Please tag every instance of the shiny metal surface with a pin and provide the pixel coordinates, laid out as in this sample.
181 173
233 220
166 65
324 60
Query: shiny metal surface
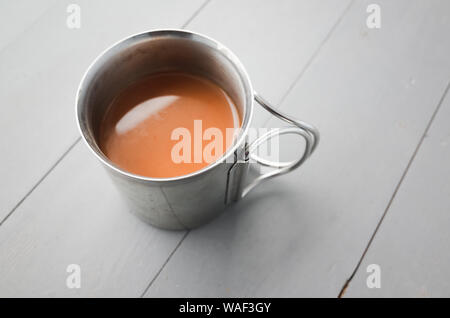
191 200
308 132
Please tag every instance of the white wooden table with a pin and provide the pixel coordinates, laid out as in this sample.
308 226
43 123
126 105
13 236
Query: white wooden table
377 191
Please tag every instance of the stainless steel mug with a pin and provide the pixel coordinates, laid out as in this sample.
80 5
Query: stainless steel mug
186 201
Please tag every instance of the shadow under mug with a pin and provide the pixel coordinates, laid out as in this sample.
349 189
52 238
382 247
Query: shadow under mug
191 200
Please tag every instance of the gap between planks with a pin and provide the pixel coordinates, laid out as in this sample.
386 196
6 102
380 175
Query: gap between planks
310 60
284 96
78 139
405 172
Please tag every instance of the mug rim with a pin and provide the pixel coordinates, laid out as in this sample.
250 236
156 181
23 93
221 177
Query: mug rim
225 51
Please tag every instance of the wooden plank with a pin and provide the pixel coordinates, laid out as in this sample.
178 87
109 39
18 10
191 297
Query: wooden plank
41 70
17 16
76 217
37 211
411 245
371 92
275 40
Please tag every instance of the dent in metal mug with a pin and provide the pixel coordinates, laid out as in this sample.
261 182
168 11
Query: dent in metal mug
191 200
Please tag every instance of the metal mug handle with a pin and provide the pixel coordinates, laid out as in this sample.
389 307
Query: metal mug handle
307 131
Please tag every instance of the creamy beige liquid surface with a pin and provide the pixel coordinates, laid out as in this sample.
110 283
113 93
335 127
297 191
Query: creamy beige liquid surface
136 133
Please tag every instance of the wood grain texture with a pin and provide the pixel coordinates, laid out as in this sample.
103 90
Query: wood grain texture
371 93
19 16
40 71
411 245
18 249
76 217
275 40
